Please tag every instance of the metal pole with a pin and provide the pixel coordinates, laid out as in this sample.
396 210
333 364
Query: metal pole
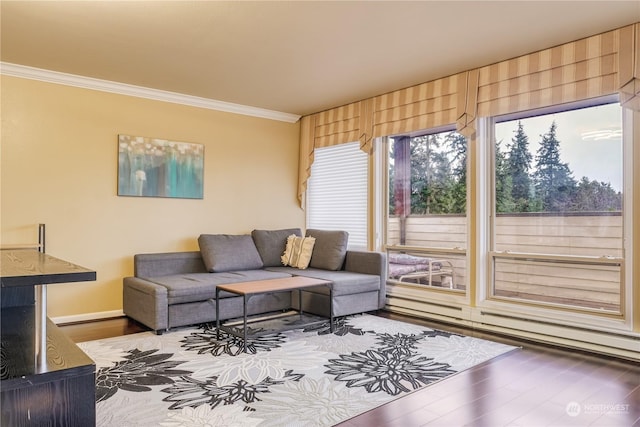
41 325
41 309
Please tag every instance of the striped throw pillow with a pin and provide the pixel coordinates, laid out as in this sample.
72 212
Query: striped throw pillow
298 251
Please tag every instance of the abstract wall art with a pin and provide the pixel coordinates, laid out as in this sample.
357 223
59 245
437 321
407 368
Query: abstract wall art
151 167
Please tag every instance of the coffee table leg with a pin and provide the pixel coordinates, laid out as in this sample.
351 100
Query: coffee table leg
331 327
300 303
217 314
244 321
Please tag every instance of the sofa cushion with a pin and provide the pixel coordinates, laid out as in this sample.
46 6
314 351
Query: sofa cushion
183 288
298 251
344 282
226 252
330 249
271 244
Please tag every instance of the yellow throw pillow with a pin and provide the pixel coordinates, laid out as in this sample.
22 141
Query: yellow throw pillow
298 251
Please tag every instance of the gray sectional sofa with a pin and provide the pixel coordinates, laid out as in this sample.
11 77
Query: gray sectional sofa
175 289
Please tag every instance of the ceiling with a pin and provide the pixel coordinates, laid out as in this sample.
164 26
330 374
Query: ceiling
295 57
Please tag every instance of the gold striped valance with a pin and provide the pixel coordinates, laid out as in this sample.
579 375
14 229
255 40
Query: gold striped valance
574 71
337 126
349 123
415 108
595 66
468 103
629 60
305 156
340 125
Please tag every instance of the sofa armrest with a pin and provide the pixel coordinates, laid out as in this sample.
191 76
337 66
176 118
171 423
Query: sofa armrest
369 262
145 302
366 262
164 264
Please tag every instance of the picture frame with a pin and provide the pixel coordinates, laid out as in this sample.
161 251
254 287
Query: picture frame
153 167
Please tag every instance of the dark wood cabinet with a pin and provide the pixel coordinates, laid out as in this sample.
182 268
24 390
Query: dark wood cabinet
43 382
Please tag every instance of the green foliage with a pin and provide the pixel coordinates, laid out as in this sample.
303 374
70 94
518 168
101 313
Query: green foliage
438 177
596 196
504 183
518 165
551 186
438 174
458 152
553 179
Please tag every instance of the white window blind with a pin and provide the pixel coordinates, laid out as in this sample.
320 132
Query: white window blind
337 192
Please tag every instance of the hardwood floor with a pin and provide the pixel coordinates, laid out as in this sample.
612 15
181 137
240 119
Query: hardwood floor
536 385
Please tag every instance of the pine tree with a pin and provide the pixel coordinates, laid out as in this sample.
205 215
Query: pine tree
504 201
518 167
458 144
392 177
594 196
423 167
554 182
438 174
440 194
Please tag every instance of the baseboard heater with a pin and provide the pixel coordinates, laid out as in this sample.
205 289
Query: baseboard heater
618 344
439 311
610 342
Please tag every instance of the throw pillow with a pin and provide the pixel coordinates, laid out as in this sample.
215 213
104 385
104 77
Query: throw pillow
298 251
330 249
272 243
225 252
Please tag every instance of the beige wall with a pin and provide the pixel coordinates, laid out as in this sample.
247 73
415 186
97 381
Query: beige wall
59 167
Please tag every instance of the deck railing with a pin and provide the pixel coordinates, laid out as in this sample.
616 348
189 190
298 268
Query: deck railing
592 282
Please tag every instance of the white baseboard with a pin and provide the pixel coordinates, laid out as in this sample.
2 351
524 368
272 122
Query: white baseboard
86 317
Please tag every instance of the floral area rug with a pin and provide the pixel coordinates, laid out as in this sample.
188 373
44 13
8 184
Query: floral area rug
301 377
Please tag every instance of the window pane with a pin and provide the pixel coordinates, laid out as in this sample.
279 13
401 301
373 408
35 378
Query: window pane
427 174
563 162
427 190
558 192
337 192
590 286
427 269
427 206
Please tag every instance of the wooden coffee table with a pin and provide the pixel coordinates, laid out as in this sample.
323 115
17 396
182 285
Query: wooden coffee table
271 286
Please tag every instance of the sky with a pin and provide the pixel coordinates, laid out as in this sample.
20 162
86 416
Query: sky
590 140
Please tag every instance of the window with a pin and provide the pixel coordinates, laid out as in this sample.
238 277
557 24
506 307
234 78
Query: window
426 225
338 191
558 203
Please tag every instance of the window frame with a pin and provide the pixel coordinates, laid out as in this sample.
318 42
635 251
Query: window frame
486 255
447 296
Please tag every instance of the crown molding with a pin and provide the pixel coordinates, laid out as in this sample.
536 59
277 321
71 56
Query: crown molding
15 70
